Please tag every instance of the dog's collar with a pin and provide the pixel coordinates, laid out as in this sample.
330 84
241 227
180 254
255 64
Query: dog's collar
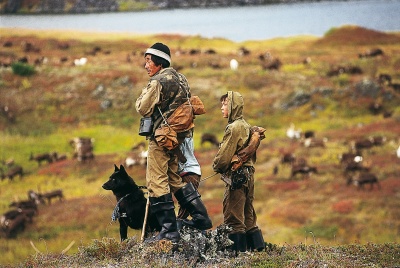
116 214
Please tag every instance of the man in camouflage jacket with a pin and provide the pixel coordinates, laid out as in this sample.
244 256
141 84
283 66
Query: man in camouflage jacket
165 92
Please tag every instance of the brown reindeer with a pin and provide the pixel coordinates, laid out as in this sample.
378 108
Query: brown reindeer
11 227
273 64
12 172
41 157
355 166
371 53
211 138
360 144
288 158
83 148
50 195
25 204
314 142
12 214
7 113
350 157
300 166
338 70
305 170
58 157
364 178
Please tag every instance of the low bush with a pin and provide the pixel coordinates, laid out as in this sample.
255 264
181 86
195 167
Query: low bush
22 69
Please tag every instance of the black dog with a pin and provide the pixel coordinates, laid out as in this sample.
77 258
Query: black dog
131 206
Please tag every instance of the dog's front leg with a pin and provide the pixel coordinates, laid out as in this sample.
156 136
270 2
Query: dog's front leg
123 230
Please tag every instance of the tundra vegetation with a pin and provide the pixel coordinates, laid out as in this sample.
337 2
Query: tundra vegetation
84 85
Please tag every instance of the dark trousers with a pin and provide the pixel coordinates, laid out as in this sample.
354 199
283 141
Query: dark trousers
238 210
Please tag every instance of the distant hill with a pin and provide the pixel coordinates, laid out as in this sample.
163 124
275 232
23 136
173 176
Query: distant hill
91 6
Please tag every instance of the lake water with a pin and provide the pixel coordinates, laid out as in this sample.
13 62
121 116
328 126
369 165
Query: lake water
234 23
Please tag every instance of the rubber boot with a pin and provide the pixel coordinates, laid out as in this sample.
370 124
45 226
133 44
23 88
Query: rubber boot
179 224
163 208
189 198
255 240
239 242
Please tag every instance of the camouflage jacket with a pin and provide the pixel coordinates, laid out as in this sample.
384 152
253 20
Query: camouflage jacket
166 91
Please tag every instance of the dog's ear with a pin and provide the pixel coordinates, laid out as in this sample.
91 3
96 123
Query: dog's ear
121 167
115 168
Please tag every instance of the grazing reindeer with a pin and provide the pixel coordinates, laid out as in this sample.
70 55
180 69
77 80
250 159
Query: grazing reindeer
208 137
364 178
305 170
137 156
288 158
25 204
371 53
360 144
58 157
12 172
83 148
12 214
309 134
39 198
11 227
301 167
355 166
41 157
50 195
314 142
350 157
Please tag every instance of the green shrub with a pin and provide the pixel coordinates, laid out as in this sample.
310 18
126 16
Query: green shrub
22 69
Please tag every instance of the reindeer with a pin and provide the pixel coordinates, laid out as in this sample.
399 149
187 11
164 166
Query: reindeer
350 157
305 170
273 64
12 172
39 198
371 53
314 142
288 158
208 137
58 157
363 178
25 204
360 144
300 166
355 166
11 227
50 195
83 148
41 157
12 214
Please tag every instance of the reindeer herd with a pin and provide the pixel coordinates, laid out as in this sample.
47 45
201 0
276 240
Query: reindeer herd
352 164
22 212
83 151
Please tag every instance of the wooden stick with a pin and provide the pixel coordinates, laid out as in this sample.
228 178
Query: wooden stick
35 248
145 218
67 248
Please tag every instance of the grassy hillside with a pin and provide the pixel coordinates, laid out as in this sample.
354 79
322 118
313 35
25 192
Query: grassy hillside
60 101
